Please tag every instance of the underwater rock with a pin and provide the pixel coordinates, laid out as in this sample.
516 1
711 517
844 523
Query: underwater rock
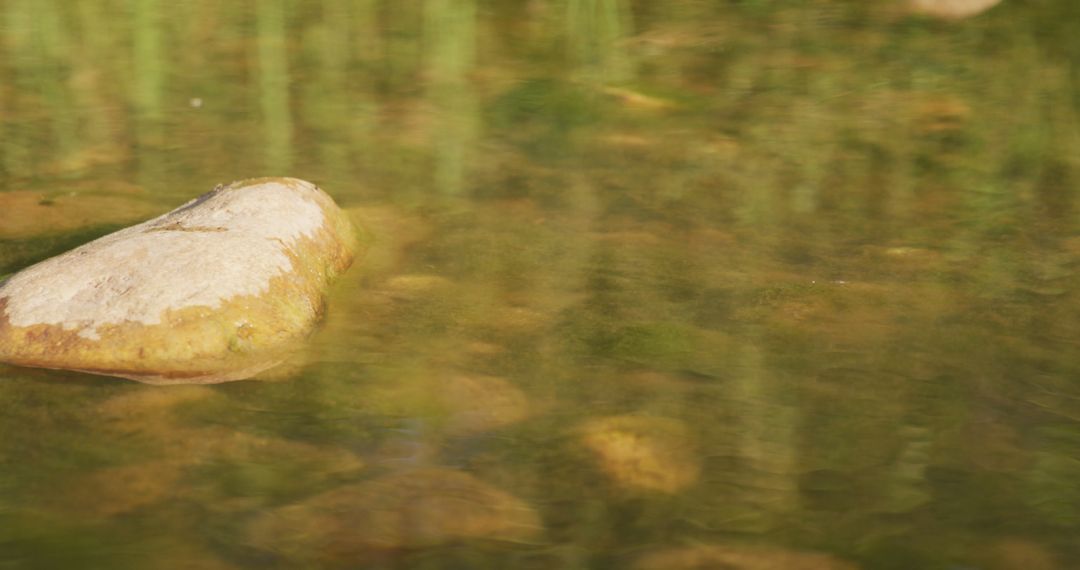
119 490
176 553
136 407
518 321
415 286
649 453
739 558
395 231
952 9
1016 553
216 290
239 472
412 509
482 403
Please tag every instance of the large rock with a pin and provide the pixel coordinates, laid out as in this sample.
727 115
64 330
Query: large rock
218 289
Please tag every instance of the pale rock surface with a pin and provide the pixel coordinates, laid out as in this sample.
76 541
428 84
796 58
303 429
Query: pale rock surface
218 289
952 9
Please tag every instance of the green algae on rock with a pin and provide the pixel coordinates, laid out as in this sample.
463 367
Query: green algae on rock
218 289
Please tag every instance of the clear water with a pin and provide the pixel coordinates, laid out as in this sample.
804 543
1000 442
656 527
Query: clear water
732 284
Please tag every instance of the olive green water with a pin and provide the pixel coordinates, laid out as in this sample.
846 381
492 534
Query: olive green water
734 284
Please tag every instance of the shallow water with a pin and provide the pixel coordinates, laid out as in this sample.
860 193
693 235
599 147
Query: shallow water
650 285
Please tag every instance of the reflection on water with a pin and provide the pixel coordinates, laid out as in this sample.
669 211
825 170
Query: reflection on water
653 285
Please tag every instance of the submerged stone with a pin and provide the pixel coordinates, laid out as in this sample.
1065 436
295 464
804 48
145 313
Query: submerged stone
216 290
119 490
482 403
413 509
641 452
705 556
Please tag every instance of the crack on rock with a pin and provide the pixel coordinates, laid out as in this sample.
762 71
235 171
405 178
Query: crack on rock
179 227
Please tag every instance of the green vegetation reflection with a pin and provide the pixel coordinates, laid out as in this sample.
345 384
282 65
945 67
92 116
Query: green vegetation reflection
742 284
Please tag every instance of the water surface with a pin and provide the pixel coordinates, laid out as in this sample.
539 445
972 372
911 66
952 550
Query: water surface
684 284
